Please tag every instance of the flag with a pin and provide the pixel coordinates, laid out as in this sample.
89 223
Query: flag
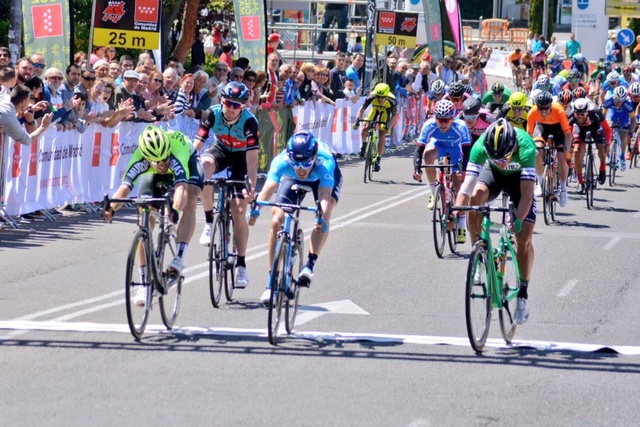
387 21
146 11
251 30
47 20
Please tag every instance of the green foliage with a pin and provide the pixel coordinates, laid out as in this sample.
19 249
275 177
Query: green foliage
210 63
82 19
535 17
4 32
473 9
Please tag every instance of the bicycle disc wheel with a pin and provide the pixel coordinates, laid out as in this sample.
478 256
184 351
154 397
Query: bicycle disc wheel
510 286
170 302
590 181
439 225
230 270
137 316
478 303
217 263
277 285
546 196
291 307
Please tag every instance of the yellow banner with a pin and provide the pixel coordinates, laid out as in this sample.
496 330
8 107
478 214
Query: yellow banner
126 38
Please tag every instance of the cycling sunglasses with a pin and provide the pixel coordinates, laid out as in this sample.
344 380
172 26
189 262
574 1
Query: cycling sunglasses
444 120
470 116
301 165
231 104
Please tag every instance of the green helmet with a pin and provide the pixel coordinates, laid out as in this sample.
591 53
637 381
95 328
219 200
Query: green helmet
382 89
154 144
518 99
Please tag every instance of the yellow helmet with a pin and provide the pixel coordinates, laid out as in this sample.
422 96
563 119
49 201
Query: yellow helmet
381 89
518 99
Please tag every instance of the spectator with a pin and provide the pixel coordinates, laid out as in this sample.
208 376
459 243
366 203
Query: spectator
243 63
636 50
24 70
572 47
357 45
445 70
273 43
197 50
400 77
7 80
143 66
185 97
114 70
96 54
108 94
249 80
199 90
321 80
389 74
110 54
38 64
236 75
214 86
53 95
79 59
36 86
553 48
87 80
337 75
287 86
72 79
306 88
5 57
353 71
101 67
80 123
349 90
171 82
217 39
14 107
269 94
614 50
226 55
155 99
338 12
530 41
259 88
331 44
126 91
126 63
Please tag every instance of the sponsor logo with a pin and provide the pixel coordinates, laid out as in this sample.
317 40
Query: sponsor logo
582 4
47 20
409 24
387 21
113 12
95 158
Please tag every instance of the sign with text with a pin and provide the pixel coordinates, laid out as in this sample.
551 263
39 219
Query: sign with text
629 8
127 23
46 31
252 34
396 28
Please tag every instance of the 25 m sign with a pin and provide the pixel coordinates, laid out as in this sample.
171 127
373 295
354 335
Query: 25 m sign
396 28
127 23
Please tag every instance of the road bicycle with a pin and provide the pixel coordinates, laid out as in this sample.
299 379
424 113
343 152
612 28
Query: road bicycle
492 278
370 145
287 263
147 263
590 176
222 250
614 155
550 181
634 147
444 198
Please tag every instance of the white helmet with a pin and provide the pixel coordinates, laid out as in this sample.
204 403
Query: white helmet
634 89
620 93
613 77
438 87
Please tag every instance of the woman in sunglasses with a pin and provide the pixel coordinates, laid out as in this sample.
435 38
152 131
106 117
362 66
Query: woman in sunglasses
310 162
440 136
236 145
504 159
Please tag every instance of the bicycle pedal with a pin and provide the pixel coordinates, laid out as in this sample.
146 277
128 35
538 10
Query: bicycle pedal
290 293
303 282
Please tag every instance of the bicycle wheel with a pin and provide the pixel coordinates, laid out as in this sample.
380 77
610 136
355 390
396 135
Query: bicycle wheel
367 159
478 303
613 162
510 286
296 262
546 196
590 180
170 301
138 277
439 225
277 285
555 189
452 238
230 271
217 261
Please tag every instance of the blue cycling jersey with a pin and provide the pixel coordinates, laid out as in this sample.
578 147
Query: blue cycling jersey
458 133
432 96
618 114
606 87
323 170
240 136
552 88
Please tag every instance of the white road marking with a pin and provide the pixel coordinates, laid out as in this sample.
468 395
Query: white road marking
307 313
549 346
566 289
611 243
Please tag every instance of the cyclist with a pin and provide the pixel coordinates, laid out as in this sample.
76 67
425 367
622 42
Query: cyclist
236 146
305 161
548 118
610 84
438 90
579 92
573 81
623 117
589 118
545 84
440 136
555 64
628 75
516 111
634 95
164 160
515 58
540 62
580 63
527 70
383 107
496 97
511 156
565 98
478 120
457 94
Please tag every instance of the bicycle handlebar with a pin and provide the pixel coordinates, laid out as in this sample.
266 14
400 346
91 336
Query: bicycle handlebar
139 200
228 182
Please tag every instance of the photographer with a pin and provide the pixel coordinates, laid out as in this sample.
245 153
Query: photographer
16 106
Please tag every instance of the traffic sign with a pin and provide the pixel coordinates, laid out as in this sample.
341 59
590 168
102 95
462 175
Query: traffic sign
626 37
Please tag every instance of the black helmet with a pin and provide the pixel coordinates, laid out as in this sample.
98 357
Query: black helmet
471 106
500 139
302 147
544 99
456 90
236 91
565 96
497 88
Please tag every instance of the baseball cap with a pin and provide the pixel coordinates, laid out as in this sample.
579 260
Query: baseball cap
426 57
131 74
273 37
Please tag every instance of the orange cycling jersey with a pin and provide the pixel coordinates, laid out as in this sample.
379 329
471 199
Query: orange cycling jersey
556 116
513 57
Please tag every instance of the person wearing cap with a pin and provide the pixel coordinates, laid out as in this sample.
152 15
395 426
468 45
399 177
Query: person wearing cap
274 41
128 90
338 12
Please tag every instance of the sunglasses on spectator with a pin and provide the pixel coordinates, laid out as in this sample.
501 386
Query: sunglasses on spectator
55 77
89 79
230 104
237 76
157 80
41 66
251 80
4 55
470 116
302 165
444 120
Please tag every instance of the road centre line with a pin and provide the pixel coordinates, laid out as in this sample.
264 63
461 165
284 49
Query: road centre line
404 197
566 289
611 243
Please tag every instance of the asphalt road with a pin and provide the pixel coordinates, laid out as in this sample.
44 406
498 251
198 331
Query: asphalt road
381 342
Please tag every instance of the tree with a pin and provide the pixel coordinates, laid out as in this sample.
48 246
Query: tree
535 17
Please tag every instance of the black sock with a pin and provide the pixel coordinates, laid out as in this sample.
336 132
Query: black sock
311 260
240 262
208 217
522 292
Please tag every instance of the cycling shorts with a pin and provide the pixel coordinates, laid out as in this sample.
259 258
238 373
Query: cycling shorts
510 184
382 115
554 130
580 135
454 152
235 161
156 184
286 195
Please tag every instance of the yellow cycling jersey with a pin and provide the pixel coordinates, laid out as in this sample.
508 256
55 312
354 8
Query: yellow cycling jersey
519 121
388 104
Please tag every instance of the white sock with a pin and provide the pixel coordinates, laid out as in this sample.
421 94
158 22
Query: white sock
563 185
433 185
539 179
463 222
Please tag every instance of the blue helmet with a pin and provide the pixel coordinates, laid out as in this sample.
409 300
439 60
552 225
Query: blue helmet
302 147
236 92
